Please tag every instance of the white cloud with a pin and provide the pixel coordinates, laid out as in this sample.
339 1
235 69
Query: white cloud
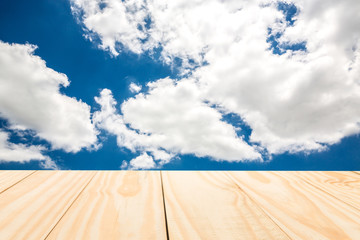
301 100
10 152
298 101
118 22
142 161
49 164
178 120
171 119
30 99
124 165
134 88
162 156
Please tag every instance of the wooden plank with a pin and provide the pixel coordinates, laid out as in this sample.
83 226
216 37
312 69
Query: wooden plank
116 205
209 205
342 185
10 178
301 210
199 205
31 208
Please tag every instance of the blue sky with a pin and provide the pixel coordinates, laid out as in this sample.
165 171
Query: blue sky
94 60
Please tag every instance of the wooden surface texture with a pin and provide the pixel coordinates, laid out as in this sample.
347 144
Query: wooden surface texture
179 205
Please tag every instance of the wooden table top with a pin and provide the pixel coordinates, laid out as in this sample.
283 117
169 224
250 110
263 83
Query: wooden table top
179 205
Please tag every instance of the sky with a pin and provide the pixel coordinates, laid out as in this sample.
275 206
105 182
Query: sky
180 85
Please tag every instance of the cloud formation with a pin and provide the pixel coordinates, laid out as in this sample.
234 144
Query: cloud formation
134 88
143 161
10 152
292 77
173 118
30 98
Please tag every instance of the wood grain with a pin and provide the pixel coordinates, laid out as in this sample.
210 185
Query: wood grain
179 205
344 186
301 210
116 205
31 208
10 178
208 205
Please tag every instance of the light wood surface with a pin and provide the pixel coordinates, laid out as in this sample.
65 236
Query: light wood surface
31 208
301 210
116 205
179 205
208 205
344 186
10 178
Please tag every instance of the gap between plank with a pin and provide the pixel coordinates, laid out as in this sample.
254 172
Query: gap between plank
18 181
163 196
82 190
265 212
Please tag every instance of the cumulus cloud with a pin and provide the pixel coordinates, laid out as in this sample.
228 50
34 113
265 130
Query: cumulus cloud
114 22
124 165
169 120
30 98
143 161
10 152
177 118
301 100
134 88
295 81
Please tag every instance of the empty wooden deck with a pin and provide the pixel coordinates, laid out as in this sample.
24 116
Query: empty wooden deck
179 205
